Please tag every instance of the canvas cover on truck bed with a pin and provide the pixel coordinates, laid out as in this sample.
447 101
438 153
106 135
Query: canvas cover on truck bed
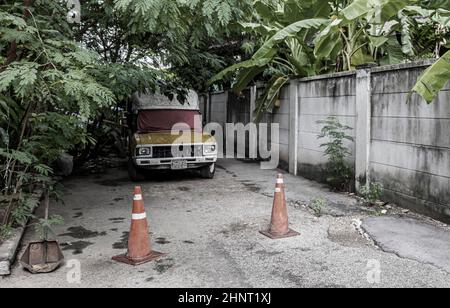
152 101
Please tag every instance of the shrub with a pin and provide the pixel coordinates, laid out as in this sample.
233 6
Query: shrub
371 193
339 174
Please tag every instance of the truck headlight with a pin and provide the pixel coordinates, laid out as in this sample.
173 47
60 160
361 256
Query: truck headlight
144 151
209 149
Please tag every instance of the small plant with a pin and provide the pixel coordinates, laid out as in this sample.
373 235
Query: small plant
44 227
5 231
317 206
371 193
339 174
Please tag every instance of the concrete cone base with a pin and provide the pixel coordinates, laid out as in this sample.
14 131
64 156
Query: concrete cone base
154 255
291 233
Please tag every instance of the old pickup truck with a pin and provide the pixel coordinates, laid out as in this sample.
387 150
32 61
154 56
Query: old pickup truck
155 145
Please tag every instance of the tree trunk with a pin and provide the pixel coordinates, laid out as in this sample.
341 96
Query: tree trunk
12 52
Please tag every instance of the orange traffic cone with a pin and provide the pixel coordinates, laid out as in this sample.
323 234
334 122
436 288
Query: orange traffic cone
279 225
139 250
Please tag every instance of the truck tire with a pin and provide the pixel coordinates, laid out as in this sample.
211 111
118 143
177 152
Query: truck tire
134 173
208 172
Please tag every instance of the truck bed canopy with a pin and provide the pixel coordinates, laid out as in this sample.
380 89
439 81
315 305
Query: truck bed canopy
164 119
154 101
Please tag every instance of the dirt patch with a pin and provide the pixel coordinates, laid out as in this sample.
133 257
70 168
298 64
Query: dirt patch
82 233
342 232
123 242
235 228
251 186
184 189
118 199
76 247
164 265
149 279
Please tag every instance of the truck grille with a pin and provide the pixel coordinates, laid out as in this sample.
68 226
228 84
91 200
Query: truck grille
179 151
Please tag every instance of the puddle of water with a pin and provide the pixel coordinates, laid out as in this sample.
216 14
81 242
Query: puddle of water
123 242
82 233
113 182
251 186
162 241
164 265
117 220
76 247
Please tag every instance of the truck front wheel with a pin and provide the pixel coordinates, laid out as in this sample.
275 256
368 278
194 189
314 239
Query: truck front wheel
208 172
134 173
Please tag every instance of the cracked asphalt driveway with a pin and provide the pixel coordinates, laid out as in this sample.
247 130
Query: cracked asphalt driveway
209 229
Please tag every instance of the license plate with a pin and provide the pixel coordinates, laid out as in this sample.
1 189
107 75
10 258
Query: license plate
179 165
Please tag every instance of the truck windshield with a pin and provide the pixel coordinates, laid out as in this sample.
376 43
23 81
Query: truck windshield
164 120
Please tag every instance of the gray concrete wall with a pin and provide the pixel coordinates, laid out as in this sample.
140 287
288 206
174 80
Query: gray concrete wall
218 108
410 142
281 116
320 98
405 147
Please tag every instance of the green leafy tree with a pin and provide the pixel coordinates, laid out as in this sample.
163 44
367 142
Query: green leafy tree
297 40
194 39
47 92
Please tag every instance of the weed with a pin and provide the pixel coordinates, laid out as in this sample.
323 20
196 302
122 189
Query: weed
339 174
317 205
371 193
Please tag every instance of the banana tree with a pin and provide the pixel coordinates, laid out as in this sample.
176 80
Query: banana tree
287 31
434 79
334 36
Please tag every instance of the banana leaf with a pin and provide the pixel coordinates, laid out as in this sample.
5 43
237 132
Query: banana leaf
434 79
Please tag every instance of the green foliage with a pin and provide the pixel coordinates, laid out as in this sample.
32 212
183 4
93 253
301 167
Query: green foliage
54 134
434 79
44 227
317 205
193 38
47 93
371 193
5 231
304 38
340 175
24 209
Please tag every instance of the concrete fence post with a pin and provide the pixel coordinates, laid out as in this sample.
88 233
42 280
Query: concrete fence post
293 126
253 97
363 125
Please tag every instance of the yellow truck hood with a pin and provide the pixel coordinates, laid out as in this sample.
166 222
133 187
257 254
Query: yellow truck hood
167 138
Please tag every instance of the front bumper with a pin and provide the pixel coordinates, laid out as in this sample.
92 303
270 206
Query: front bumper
166 163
